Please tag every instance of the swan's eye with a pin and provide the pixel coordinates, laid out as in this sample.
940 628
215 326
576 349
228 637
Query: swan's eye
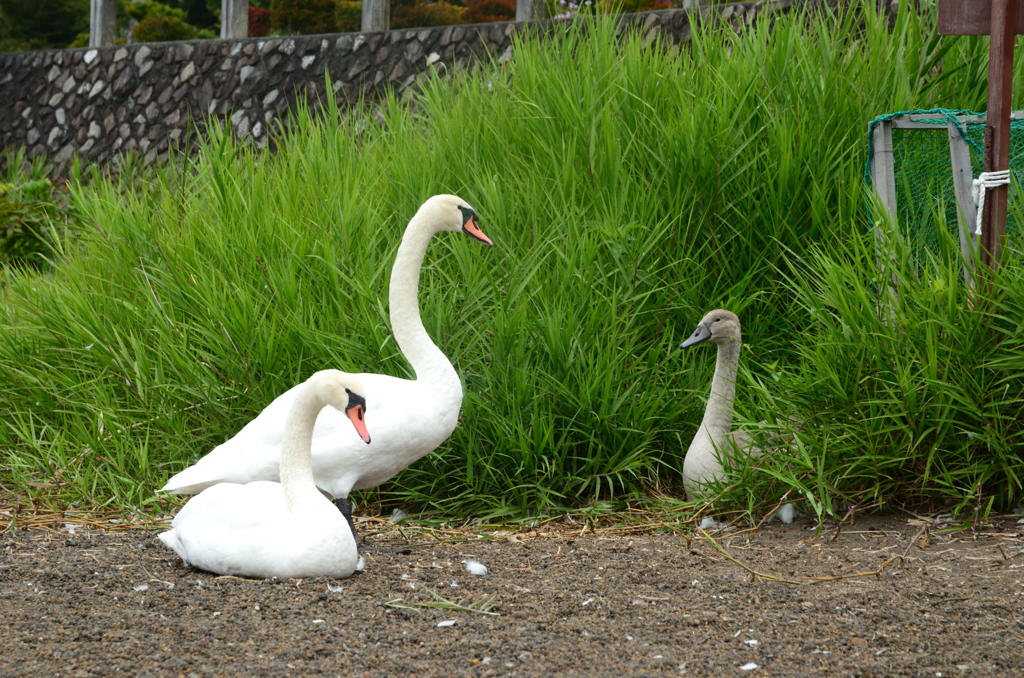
717 319
356 402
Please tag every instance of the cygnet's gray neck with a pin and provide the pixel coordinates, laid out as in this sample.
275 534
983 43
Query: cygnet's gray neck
718 414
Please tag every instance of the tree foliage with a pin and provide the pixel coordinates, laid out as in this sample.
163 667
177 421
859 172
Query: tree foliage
147 8
259 21
302 17
155 28
416 13
43 23
482 11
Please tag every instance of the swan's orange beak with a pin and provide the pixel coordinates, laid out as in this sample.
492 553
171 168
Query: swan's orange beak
355 415
472 229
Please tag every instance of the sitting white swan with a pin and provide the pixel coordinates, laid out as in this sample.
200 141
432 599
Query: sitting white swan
410 417
286 529
714 439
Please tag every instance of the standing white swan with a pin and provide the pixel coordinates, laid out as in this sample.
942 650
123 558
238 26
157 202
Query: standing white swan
714 439
410 417
286 529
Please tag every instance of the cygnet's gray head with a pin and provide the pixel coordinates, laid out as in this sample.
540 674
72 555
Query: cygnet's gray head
718 326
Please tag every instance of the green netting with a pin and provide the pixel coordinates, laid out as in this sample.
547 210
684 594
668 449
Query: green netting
924 177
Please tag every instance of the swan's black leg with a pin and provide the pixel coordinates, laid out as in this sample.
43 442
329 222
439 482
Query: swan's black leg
381 549
345 506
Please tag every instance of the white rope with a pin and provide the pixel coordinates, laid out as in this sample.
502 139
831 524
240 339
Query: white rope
979 187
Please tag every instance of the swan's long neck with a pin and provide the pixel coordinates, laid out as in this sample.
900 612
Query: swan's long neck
427 360
296 450
718 414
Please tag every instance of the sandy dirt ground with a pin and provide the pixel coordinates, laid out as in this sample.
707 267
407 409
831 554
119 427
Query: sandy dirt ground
897 601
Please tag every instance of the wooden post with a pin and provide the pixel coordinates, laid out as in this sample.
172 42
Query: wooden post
1001 20
997 127
884 182
882 179
966 214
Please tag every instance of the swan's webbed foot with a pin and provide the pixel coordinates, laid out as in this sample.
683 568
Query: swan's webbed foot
345 506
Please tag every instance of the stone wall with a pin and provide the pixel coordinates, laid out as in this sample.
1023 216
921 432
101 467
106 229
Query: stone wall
146 98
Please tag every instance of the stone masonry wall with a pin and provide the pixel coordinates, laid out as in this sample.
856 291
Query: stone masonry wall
146 98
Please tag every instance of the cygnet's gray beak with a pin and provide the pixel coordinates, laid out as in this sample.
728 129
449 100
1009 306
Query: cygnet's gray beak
702 333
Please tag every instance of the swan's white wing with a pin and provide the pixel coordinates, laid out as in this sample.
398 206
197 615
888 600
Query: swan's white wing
248 530
405 419
247 457
220 521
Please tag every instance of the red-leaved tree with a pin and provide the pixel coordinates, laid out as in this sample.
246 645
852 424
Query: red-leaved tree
483 11
259 21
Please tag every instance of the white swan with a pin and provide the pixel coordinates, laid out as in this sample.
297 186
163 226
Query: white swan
410 417
714 439
286 529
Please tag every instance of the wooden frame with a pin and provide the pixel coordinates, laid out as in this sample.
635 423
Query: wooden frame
883 179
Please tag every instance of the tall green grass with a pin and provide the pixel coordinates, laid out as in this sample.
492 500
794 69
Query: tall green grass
627 189
919 394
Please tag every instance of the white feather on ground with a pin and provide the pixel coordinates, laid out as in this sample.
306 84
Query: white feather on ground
475 568
787 513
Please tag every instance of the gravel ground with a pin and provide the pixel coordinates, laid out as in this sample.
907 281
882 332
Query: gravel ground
93 604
